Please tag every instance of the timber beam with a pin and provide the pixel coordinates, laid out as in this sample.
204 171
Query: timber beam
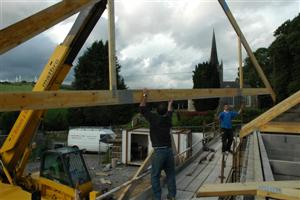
247 47
13 101
24 30
275 189
266 117
281 127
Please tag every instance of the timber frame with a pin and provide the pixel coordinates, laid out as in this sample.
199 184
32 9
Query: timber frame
13 101
22 31
263 122
34 104
288 190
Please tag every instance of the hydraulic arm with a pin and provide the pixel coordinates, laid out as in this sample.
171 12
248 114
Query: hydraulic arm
17 147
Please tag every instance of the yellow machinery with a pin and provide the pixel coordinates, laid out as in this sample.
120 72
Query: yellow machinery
63 173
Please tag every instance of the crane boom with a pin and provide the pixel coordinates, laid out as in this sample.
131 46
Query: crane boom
13 151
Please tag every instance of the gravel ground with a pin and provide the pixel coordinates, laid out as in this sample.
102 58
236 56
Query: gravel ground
116 176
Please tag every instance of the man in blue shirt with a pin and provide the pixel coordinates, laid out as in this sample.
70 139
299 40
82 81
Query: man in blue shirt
225 118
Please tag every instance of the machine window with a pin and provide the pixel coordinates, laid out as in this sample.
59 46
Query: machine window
76 168
53 169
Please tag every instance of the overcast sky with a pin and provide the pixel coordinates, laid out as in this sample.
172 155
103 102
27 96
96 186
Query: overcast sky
158 42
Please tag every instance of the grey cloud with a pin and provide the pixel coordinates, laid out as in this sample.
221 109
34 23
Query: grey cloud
189 25
26 60
13 11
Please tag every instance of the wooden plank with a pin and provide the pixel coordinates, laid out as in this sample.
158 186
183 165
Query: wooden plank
198 181
184 183
214 176
196 169
111 45
258 173
13 101
184 195
203 157
139 171
247 188
192 167
241 75
281 127
266 117
247 47
227 168
254 171
279 193
249 163
268 174
25 29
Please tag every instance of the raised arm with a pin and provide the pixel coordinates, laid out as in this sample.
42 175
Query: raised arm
170 107
144 98
241 109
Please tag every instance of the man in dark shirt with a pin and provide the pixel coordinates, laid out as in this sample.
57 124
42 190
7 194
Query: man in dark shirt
163 158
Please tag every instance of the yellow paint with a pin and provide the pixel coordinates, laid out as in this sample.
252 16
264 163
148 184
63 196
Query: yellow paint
50 189
28 120
11 192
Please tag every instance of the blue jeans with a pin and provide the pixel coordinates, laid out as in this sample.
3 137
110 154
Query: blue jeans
163 159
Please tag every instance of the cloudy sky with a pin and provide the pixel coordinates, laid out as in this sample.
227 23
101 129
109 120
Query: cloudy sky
158 42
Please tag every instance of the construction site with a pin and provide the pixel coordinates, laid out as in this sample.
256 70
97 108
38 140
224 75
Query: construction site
264 163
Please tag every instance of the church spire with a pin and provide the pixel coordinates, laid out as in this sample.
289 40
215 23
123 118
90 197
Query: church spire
214 54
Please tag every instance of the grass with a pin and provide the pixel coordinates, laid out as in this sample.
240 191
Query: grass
23 87
15 87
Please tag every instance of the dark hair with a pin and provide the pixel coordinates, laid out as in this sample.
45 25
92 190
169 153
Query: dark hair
162 108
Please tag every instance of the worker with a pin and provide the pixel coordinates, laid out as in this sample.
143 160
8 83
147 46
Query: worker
225 118
163 158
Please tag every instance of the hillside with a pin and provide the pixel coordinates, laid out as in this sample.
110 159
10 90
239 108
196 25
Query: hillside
23 86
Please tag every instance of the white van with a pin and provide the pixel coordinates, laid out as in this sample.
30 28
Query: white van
89 138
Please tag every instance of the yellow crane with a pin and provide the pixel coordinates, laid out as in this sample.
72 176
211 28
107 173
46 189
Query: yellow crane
63 173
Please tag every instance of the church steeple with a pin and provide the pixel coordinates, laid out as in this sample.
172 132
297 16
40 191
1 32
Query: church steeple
214 54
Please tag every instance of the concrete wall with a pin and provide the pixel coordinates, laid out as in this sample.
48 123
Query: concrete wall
283 152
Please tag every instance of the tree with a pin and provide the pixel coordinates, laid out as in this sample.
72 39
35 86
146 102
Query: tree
206 75
56 120
285 52
92 73
251 77
7 121
280 62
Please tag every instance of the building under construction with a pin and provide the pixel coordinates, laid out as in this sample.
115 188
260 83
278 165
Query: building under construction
264 163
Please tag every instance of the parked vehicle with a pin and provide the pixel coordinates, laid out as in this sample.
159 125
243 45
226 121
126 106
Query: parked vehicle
90 139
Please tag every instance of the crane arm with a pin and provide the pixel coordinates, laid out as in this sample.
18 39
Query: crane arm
19 139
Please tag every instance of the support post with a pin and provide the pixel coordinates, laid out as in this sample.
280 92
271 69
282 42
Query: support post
145 164
247 47
240 63
111 45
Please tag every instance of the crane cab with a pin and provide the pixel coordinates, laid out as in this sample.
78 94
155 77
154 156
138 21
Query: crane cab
62 171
